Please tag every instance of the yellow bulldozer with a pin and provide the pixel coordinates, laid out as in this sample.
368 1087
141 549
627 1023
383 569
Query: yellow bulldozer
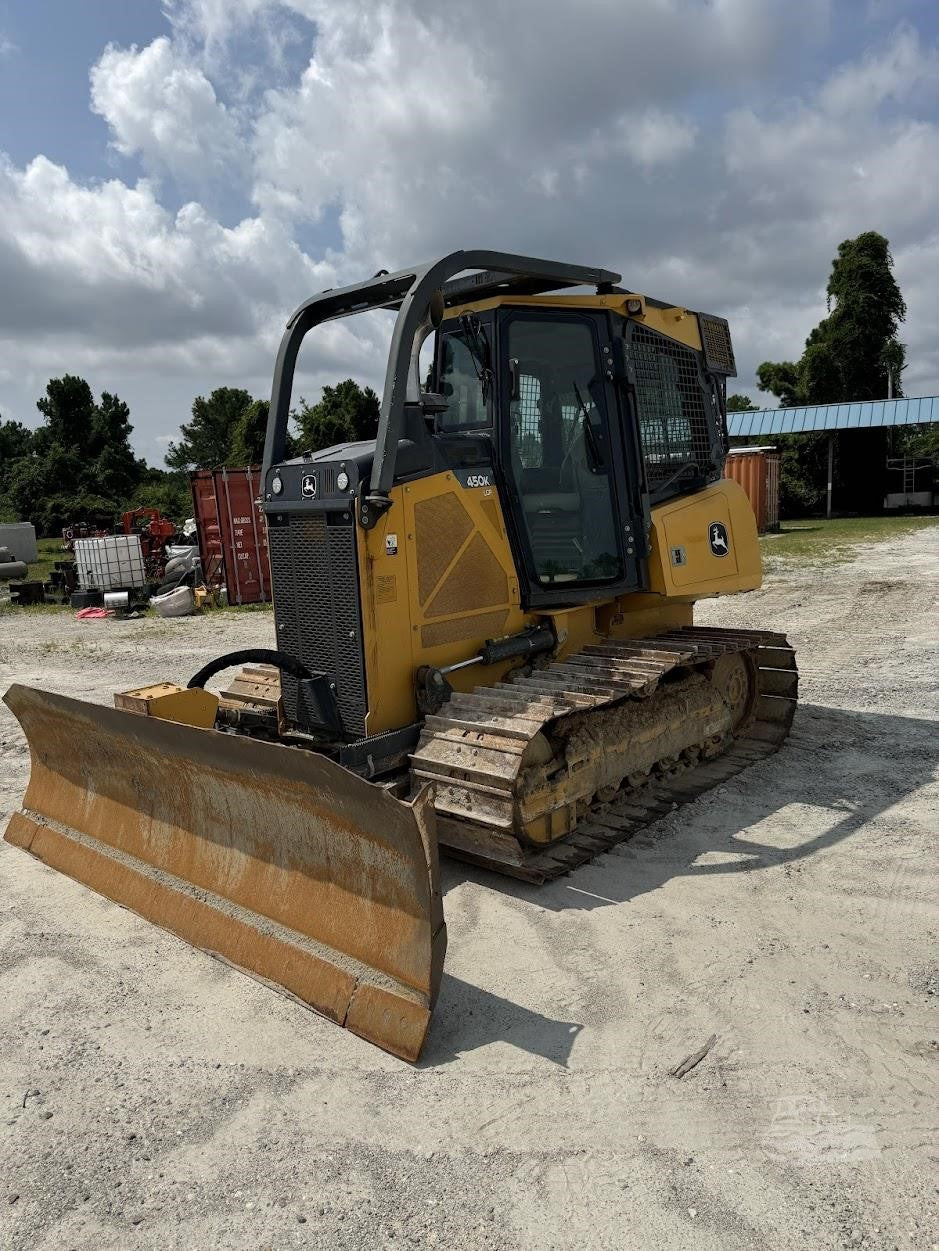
484 641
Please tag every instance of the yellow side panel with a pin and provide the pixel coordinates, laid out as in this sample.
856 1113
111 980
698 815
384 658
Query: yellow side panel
633 616
689 535
438 579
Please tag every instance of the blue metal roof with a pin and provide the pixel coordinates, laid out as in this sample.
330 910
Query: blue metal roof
863 415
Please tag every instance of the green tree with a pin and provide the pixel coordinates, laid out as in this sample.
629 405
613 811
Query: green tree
849 354
247 438
15 444
784 380
167 490
206 440
55 488
115 470
852 354
345 413
79 462
737 403
803 473
15 441
68 407
916 441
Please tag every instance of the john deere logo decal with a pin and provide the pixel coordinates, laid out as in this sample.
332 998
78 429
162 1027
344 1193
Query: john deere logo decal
308 485
717 538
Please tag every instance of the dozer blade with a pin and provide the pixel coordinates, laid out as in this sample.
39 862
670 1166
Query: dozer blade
275 858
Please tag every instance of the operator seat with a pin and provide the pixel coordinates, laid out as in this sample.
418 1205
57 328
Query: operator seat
552 509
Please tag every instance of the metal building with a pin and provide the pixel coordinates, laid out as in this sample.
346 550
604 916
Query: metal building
834 419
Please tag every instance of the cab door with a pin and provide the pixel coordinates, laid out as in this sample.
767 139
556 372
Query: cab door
574 492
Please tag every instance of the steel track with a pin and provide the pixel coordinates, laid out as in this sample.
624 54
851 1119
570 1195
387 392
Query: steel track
471 750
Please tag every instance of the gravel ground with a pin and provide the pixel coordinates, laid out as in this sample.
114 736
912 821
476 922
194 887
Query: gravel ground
155 1098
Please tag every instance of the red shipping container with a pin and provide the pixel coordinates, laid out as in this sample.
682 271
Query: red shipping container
233 532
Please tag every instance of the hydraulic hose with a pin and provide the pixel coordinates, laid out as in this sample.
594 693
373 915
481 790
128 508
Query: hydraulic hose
250 655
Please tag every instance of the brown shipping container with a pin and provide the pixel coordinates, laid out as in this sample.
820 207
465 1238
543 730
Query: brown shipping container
233 532
757 471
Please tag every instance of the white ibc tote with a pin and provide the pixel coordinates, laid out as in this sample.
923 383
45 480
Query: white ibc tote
110 563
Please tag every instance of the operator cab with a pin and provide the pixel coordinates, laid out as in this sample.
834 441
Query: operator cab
581 411
553 443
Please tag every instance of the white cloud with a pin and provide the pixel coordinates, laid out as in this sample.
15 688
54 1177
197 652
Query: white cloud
110 260
598 132
818 170
104 281
892 73
656 138
162 108
209 24
438 125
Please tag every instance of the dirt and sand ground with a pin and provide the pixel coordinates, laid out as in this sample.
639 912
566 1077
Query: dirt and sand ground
153 1097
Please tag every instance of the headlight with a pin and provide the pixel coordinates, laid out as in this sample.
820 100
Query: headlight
277 484
342 480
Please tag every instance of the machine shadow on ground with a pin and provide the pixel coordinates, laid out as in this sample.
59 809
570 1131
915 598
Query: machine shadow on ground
900 754
811 768
467 1017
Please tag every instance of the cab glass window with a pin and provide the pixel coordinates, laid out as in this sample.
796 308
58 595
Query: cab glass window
559 450
459 382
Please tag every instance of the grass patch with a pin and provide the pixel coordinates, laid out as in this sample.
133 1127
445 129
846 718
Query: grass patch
39 570
50 550
821 542
8 610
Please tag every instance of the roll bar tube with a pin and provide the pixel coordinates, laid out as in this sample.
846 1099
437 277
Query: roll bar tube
409 291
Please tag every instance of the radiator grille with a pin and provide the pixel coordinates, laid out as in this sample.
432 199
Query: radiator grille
317 610
676 414
718 348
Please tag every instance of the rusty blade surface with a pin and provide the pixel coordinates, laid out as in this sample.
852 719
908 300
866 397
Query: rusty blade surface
276 858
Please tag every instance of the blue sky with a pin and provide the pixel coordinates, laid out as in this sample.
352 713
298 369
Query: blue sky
44 80
175 178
